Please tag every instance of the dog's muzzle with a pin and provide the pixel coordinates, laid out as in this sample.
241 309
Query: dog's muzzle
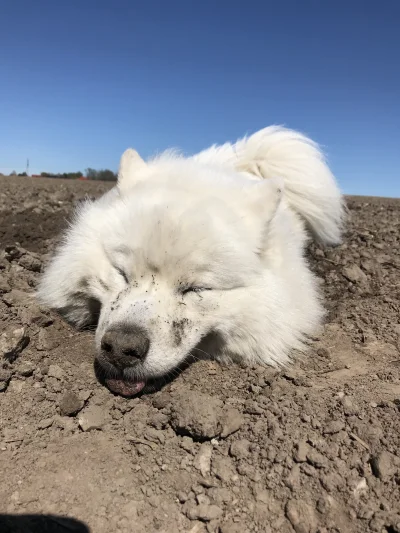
124 348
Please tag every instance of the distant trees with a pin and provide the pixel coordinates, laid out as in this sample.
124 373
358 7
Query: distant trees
90 173
64 175
70 175
104 174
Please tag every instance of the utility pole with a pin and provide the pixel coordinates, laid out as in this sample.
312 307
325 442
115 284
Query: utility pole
27 167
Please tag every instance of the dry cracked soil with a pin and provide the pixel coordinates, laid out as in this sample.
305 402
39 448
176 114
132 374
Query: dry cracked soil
312 448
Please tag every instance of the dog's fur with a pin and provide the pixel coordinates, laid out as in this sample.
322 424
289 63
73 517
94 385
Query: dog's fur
202 251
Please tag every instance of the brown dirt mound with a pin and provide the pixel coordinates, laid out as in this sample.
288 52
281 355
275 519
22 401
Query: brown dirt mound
314 448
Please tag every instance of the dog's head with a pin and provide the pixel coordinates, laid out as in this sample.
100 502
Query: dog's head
162 262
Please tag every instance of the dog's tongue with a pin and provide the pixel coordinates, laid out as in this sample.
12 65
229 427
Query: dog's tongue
125 388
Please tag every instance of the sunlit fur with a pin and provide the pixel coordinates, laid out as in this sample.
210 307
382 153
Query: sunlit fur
231 222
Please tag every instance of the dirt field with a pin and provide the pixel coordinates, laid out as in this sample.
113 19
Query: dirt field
315 448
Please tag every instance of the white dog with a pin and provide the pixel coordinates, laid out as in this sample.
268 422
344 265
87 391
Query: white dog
199 254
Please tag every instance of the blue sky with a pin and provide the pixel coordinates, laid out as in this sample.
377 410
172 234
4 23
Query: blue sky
82 80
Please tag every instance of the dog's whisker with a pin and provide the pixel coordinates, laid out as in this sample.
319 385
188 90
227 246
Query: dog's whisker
202 351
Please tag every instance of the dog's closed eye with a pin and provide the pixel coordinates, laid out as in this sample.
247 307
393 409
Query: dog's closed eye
186 290
122 273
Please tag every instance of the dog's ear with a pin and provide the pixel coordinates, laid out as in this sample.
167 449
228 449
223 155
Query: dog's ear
259 204
262 199
130 165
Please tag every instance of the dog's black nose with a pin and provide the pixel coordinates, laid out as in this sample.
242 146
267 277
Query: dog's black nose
125 346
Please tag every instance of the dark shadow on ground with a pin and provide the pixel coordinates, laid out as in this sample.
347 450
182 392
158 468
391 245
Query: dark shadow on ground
41 524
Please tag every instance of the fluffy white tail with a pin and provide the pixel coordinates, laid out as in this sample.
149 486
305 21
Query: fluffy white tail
310 187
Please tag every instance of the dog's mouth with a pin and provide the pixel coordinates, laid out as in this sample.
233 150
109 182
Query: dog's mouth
118 381
128 387
125 382
125 387
128 384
